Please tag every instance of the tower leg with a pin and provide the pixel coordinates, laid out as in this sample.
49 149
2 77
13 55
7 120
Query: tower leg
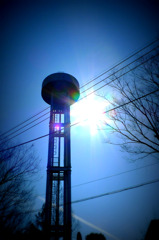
58 188
67 207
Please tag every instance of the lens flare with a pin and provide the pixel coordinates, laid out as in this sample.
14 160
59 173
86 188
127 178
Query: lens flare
57 127
90 112
74 95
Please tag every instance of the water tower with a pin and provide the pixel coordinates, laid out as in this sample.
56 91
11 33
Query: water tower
59 90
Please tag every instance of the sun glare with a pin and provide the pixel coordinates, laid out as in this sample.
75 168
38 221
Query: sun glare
90 111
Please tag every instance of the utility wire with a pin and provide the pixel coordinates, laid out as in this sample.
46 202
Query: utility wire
24 121
114 175
21 144
116 191
110 193
102 87
122 105
118 77
87 84
112 74
26 126
90 92
135 99
135 53
111 176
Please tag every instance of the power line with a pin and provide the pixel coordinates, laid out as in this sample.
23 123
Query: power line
21 144
122 105
24 121
87 84
27 125
84 120
131 101
111 193
112 74
116 191
118 77
100 88
90 92
28 128
114 175
132 55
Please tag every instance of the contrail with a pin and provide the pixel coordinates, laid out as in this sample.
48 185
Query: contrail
87 223
94 226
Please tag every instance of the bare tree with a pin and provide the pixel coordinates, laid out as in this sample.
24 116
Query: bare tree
136 123
18 167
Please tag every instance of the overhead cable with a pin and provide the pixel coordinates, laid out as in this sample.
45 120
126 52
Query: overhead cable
35 139
112 74
118 64
87 84
24 121
114 175
86 95
26 126
116 191
118 77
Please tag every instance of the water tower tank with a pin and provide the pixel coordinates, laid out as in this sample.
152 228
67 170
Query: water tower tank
60 88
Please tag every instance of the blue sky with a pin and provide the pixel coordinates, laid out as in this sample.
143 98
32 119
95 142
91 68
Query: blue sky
83 38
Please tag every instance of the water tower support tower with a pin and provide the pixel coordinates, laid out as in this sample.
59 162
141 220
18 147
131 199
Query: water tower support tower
60 90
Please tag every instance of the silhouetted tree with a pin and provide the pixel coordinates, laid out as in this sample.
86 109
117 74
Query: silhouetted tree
79 237
153 230
18 167
32 233
95 236
137 123
40 222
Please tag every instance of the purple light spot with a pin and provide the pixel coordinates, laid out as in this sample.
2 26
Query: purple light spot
57 127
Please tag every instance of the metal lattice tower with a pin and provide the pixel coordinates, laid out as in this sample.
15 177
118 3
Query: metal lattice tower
60 90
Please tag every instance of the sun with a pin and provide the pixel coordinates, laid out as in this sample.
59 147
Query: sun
90 112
